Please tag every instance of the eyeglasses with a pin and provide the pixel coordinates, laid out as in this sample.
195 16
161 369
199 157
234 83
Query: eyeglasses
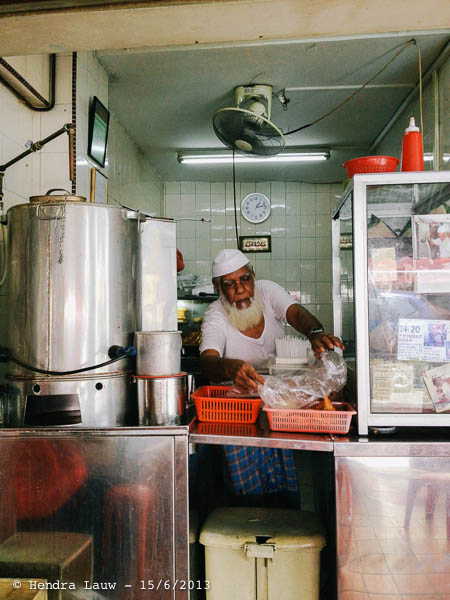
228 284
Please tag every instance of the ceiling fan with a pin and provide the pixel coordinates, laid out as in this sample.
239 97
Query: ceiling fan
246 127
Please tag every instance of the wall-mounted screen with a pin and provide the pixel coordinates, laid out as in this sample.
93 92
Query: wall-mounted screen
98 131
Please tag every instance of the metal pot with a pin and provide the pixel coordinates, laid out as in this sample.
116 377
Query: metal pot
158 352
162 400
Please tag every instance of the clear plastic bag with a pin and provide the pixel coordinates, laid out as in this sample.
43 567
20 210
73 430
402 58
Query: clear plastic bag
325 376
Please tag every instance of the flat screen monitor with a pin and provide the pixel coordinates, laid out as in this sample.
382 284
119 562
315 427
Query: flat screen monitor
98 131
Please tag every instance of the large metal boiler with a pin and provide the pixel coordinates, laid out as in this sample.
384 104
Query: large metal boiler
75 270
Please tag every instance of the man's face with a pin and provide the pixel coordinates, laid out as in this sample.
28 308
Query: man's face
238 287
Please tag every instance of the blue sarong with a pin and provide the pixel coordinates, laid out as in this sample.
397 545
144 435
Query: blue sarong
260 470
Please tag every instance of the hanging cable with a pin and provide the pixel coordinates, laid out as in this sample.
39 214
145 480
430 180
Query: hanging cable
127 353
234 202
338 106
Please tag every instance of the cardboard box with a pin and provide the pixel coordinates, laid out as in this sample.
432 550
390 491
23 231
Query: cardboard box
57 556
13 592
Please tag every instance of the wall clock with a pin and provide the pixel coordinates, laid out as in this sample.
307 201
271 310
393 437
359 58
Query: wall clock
255 207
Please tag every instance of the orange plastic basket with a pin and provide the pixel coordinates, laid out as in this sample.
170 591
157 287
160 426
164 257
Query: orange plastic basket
312 421
213 406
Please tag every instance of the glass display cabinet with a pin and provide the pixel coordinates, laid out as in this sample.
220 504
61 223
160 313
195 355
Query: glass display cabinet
391 296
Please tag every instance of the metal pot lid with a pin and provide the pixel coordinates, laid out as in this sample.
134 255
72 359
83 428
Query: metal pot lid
49 197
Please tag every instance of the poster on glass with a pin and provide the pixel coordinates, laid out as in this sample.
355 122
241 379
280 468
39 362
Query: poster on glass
431 252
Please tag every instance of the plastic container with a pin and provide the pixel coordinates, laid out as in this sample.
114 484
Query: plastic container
371 164
261 553
412 148
311 421
195 559
212 405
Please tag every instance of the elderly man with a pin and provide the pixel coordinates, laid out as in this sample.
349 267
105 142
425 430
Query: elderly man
442 241
238 336
239 330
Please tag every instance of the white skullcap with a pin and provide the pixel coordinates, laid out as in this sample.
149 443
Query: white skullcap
443 229
227 261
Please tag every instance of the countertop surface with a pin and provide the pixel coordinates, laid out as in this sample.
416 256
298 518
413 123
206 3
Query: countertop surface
257 434
404 442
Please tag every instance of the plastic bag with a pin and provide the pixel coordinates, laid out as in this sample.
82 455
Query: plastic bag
325 376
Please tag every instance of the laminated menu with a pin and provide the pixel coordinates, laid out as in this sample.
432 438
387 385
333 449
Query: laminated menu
423 339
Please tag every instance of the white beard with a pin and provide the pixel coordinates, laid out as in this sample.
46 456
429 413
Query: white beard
244 318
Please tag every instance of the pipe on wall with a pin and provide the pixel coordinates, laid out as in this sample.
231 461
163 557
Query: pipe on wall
21 88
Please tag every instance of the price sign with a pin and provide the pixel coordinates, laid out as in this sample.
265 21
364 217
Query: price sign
426 340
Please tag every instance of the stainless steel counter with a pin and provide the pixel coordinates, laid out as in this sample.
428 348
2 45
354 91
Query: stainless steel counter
393 515
91 507
257 434
392 518
410 442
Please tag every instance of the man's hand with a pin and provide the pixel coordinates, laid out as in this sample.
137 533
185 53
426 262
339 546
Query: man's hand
321 342
241 372
246 377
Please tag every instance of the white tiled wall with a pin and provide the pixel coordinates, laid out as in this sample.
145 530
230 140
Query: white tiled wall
131 178
300 226
46 169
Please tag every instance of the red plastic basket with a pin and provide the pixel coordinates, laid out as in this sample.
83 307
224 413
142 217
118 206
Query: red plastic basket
213 406
371 164
312 421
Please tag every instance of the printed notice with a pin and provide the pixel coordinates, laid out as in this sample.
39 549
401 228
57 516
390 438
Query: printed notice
423 340
384 266
390 377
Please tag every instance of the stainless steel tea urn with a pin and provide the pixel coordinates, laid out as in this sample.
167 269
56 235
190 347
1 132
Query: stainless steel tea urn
71 296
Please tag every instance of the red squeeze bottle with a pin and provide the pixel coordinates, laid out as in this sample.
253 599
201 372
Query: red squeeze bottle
412 148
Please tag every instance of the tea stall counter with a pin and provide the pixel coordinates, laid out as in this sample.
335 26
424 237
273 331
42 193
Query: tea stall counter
257 434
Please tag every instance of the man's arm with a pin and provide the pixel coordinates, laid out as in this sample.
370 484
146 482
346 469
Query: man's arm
218 369
303 321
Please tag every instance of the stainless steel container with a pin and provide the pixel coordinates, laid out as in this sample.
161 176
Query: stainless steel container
90 401
162 400
71 284
158 352
71 296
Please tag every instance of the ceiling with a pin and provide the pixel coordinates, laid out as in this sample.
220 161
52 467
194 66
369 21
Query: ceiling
165 98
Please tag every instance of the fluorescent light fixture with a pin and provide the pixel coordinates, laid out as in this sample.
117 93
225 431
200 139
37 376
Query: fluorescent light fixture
205 157
429 157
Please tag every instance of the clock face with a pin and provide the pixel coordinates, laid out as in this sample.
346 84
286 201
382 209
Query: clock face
255 207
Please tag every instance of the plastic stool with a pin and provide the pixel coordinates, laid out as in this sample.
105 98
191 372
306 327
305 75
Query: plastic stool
127 511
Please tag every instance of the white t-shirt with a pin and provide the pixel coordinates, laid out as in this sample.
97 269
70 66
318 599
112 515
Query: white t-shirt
219 334
444 247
